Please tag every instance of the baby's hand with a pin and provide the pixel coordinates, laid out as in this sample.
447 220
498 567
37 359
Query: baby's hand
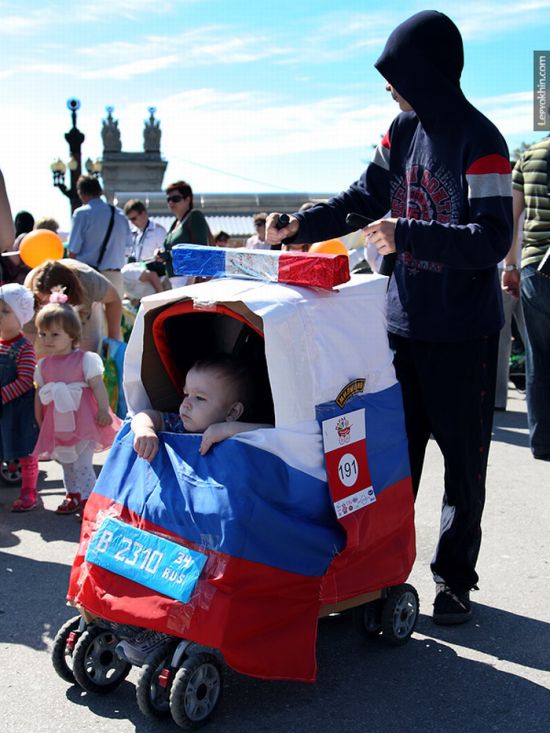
146 444
103 418
215 433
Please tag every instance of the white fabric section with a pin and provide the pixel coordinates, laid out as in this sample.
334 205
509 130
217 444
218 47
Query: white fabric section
92 365
316 341
256 264
484 185
382 157
66 400
300 446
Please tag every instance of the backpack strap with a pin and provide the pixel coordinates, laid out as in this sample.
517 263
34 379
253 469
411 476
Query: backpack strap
106 237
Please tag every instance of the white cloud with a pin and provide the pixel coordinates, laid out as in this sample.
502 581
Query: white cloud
512 113
32 20
207 45
242 126
478 21
133 68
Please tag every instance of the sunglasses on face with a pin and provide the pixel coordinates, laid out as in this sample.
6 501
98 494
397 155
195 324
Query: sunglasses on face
174 199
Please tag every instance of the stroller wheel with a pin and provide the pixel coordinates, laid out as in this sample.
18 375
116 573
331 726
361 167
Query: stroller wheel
367 618
63 648
154 685
196 691
399 614
10 472
96 666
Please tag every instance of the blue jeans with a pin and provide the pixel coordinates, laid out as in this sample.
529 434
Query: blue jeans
535 299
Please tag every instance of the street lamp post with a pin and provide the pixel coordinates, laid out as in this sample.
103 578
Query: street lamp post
75 139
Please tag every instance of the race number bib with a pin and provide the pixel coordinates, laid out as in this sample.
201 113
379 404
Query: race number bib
345 445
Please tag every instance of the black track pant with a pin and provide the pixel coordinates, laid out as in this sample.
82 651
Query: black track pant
449 392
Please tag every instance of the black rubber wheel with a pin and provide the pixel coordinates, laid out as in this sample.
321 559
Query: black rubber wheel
196 691
96 666
63 648
10 472
367 618
152 693
399 614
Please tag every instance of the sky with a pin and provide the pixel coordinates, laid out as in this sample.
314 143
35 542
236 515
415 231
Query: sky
252 96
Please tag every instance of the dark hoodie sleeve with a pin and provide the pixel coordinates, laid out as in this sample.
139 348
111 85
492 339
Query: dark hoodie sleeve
481 242
368 196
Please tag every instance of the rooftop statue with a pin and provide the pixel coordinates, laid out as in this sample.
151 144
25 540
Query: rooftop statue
151 133
111 134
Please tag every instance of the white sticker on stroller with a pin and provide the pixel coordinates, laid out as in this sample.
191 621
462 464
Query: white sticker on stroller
145 558
344 430
345 444
354 502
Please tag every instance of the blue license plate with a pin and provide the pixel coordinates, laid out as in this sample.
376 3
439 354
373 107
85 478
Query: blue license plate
145 558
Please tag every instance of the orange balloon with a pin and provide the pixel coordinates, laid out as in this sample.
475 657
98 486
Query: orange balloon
40 245
329 247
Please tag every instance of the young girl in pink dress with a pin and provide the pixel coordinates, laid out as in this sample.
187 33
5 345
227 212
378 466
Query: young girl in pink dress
71 404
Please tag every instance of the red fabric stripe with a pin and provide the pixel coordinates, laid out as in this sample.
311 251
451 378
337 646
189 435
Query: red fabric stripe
263 620
319 270
385 142
490 164
382 557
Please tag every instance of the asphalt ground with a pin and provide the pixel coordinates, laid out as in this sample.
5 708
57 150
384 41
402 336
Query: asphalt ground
492 674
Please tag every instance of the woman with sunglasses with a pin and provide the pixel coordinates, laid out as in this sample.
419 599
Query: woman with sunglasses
189 227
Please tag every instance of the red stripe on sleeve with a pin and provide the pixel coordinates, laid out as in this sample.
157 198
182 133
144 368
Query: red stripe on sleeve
386 141
490 164
26 363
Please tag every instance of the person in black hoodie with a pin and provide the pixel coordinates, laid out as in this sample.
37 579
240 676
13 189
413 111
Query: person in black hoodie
443 175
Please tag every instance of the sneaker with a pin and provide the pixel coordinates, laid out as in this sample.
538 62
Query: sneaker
141 647
451 608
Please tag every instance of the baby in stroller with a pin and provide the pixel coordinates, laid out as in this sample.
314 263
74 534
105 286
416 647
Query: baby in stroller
218 395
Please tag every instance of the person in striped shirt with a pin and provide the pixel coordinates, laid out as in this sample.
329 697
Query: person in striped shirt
18 428
531 194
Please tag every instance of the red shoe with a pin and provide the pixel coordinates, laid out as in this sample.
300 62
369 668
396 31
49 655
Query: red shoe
26 502
70 504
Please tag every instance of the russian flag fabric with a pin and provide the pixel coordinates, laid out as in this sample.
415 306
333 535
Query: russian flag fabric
298 268
368 475
265 533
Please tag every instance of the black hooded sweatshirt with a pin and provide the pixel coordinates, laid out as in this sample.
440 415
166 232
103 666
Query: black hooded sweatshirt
443 171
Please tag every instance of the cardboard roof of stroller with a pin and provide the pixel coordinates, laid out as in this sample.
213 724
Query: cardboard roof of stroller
316 341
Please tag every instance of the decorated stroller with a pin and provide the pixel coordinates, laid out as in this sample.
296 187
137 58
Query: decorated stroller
236 554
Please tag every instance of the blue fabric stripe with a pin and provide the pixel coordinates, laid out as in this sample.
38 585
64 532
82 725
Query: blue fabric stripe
198 260
237 499
387 447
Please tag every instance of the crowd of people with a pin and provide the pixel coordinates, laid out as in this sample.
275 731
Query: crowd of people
444 300
53 318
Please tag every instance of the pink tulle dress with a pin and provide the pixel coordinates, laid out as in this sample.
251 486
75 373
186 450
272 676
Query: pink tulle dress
69 407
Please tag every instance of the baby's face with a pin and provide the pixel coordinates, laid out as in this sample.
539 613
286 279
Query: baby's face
207 399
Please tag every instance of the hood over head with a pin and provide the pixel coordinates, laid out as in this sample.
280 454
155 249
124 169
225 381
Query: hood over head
423 60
